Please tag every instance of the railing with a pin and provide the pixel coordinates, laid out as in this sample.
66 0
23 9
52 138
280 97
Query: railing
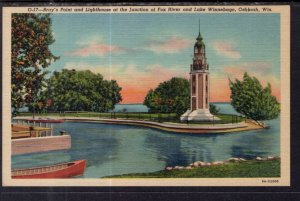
147 116
24 128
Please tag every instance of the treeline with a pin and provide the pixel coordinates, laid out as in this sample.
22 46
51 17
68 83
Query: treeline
248 97
71 90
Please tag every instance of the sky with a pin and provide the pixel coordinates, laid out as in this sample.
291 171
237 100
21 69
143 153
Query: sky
140 51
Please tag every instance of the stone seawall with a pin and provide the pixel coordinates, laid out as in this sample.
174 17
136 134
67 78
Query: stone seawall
169 126
174 127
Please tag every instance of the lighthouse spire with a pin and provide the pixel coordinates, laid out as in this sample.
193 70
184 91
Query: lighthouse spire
199 38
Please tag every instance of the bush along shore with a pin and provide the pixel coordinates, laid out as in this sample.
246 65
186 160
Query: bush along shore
231 168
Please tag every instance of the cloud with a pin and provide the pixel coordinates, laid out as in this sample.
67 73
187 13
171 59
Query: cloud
257 67
90 40
94 46
226 49
108 72
135 81
96 49
170 45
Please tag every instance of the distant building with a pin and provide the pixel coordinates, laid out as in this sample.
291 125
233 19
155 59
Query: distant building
200 86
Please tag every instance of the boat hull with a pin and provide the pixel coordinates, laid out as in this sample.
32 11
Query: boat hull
40 144
72 169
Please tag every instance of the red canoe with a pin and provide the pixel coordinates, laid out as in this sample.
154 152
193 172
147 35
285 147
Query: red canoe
47 120
61 170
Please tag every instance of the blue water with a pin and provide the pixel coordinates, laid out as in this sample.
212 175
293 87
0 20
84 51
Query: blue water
130 108
121 149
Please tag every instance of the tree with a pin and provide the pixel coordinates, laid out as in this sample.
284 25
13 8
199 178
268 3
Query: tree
249 98
31 36
172 96
213 109
71 90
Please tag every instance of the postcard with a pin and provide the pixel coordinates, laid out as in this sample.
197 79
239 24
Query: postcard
146 96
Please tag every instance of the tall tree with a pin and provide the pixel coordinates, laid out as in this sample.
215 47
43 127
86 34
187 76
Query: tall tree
170 96
71 90
31 36
249 98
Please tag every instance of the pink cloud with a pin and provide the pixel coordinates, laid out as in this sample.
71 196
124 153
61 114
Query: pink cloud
171 45
135 90
226 49
143 80
257 67
135 82
260 66
95 49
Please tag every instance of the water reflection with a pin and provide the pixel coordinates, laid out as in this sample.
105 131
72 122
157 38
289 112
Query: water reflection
120 149
259 142
39 159
88 142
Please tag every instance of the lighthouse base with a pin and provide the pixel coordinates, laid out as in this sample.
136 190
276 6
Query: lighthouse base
198 115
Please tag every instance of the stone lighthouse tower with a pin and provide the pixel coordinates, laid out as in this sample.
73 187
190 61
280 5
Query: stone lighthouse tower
199 82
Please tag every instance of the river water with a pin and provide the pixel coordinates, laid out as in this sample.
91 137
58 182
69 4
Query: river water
121 149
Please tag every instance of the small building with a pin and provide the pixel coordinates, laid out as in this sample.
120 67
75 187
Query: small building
200 86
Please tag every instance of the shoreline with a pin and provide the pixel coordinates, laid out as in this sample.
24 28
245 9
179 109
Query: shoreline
231 168
167 126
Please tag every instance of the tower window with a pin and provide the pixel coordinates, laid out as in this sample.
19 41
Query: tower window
193 84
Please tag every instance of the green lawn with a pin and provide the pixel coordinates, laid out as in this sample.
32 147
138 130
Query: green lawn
230 170
124 115
225 118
